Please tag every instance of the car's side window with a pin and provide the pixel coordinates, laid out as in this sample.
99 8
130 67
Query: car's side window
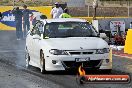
37 29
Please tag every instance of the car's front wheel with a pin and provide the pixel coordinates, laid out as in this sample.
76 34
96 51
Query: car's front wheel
42 62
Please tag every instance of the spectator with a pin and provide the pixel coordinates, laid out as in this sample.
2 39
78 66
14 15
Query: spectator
26 22
65 14
18 19
56 11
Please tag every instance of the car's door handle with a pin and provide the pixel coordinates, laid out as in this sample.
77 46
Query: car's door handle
37 38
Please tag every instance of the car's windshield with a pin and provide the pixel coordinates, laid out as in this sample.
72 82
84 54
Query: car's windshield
69 29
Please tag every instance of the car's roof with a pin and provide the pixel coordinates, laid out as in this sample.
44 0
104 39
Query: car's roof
64 20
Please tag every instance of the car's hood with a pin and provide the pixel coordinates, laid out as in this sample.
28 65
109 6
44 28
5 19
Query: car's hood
76 43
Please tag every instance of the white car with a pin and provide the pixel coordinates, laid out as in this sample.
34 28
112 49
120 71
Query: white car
67 43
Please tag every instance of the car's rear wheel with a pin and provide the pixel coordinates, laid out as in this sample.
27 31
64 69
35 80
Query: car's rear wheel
27 58
42 62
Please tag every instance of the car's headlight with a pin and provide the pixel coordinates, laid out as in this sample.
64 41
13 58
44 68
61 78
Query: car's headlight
57 52
102 51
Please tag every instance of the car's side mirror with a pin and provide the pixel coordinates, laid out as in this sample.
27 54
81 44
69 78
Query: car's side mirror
103 35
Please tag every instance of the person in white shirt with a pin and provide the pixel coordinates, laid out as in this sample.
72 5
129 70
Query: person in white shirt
56 11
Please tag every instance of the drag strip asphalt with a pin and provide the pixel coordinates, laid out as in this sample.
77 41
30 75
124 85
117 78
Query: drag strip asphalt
12 53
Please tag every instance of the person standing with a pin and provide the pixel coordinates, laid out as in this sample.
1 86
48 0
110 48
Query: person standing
65 14
56 11
26 22
18 20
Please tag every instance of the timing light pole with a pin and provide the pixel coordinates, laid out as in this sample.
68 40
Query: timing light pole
13 3
52 2
95 5
128 7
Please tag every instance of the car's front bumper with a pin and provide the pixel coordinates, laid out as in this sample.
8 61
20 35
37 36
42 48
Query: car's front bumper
64 62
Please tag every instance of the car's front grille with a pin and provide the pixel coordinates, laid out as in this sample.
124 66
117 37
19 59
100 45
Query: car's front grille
87 52
90 64
75 53
80 53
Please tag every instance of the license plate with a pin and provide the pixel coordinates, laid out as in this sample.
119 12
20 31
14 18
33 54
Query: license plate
82 59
